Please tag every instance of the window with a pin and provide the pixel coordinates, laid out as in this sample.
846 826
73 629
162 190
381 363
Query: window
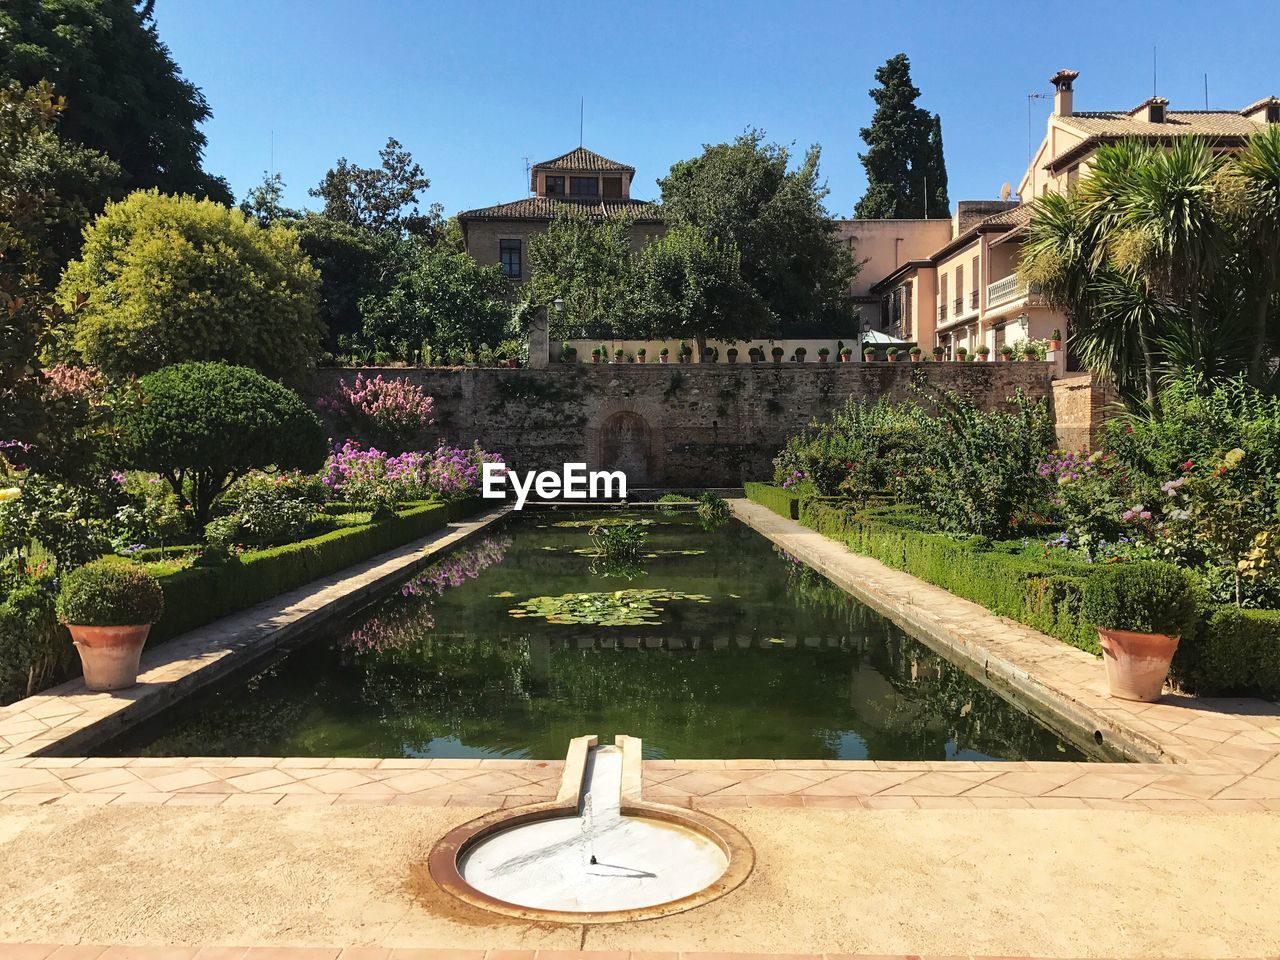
509 257
612 187
584 187
555 186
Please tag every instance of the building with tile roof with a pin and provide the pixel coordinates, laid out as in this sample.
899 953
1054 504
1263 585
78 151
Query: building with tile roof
962 289
580 182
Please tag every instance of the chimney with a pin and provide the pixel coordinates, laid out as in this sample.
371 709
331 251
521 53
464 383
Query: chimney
1151 111
1266 110
1062 81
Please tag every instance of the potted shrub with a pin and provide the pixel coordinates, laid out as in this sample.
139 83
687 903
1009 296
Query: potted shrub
640 355
1006 353
595 354
938 354
961 354
868 353
777 354
846 354
686 352
1055 339
892 354
800 354
570 355
1141 611
1029 353
708 355
984 352
617 355
732 354
823 353
663 354
915 354
109 606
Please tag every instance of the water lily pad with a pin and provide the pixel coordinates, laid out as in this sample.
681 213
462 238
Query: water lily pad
621 608
605 522
503 595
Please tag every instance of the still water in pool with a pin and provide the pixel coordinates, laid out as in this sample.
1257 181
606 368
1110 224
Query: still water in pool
718 645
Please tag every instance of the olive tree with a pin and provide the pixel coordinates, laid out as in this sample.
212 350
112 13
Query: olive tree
201 426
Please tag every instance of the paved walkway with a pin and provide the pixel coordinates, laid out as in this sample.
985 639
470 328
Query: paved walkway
68 719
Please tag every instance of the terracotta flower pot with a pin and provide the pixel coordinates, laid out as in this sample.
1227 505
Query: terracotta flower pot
1055 344
109 655
1137 663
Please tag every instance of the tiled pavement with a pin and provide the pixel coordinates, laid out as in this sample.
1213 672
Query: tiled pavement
68 718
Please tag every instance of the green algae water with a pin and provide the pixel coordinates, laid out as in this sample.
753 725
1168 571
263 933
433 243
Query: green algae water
716 644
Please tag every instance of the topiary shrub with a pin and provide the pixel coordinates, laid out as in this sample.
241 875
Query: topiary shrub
1146 597
109 593
203 425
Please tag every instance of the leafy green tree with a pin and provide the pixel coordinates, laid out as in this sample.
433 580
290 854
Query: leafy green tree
382 198
690 285
265 202
48 189
352 262
906 172
588 265
201 426
125 95
169 279
743 195
436 293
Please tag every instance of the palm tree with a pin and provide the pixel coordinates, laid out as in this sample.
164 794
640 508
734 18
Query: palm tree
1258 167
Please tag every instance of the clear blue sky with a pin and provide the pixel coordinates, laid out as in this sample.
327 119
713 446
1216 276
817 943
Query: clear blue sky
472 88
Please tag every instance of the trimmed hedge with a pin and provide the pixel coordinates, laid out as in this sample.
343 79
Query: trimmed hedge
199 595
1234 651
781 502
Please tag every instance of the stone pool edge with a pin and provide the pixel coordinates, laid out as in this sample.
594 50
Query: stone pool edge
1228 738
68 719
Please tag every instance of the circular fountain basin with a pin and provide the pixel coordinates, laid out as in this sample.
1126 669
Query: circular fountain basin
638 862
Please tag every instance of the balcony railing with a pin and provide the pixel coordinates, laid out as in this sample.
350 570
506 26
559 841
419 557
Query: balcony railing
942 312
973 300
959 305
1005 289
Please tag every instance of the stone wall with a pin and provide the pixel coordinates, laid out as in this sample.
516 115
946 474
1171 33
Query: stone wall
674 424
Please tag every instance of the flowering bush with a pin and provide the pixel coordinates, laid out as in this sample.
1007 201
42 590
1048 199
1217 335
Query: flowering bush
393 411
1089 494
455 472
372 476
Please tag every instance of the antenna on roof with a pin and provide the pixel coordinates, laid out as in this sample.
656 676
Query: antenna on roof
1153 69
1030 97
526 173
1206 91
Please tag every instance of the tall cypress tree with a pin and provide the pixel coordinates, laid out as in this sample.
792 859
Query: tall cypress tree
904 151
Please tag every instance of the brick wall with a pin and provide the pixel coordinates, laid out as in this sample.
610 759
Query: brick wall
1080 405
674 424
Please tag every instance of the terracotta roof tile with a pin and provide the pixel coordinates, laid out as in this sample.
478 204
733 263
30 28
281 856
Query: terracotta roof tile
583 159
544 208
1124 123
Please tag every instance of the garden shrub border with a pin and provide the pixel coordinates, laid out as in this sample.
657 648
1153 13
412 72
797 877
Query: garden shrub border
1235 651
197 596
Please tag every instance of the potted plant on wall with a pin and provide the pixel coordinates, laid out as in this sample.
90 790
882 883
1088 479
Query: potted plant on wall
961 354
800 354
570 354
732 354
892 354
109 606
1140 610
1006 353
1055 339
846 354
916 353
823 353
595 354
777 354
663 354
938 354
868 353
640 355
984 352
686 352
617 355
